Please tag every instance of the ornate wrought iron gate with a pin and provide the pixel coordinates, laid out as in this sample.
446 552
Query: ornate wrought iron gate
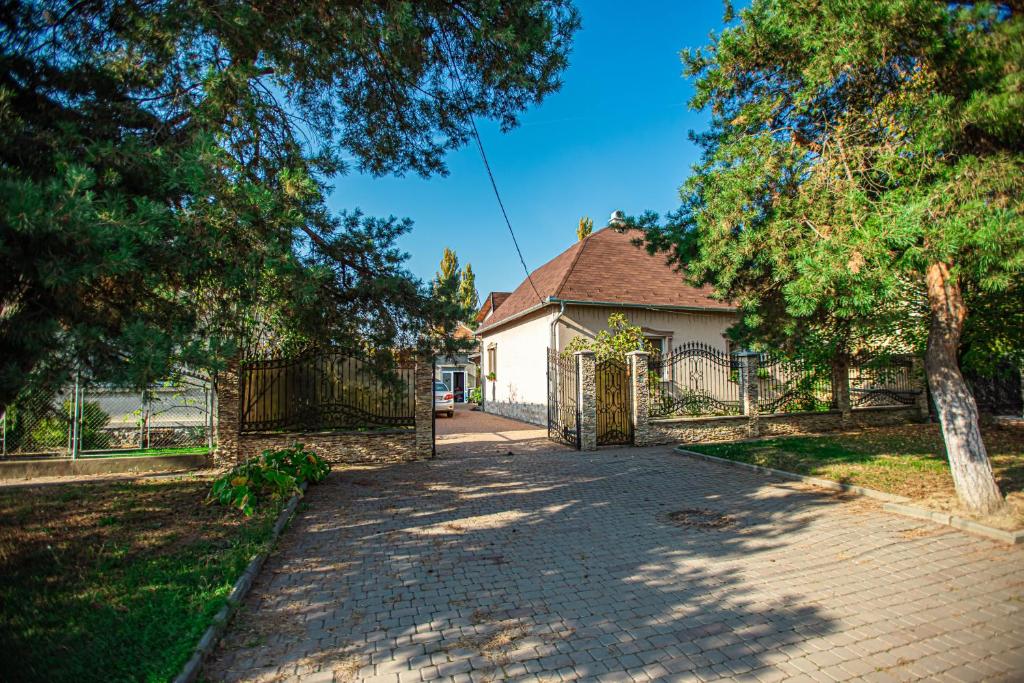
563 399
614 404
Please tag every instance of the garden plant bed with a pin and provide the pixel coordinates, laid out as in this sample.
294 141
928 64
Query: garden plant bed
116 580
907 461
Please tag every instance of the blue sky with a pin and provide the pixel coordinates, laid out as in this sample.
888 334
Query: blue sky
614 137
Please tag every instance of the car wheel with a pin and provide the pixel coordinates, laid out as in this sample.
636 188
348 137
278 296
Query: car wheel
451 413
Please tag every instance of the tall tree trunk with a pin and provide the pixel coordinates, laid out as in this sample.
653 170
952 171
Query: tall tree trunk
958 413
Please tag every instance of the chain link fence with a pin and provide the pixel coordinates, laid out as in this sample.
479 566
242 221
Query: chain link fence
97 420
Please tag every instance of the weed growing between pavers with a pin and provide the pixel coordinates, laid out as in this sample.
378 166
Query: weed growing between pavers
701 518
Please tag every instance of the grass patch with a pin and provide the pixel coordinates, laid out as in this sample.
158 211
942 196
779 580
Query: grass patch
142 452
115 580
908 460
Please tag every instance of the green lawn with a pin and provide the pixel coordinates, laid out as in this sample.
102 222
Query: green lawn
113 581
908 460
142 452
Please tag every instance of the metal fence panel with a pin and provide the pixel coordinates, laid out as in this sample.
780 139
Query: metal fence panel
694 380
792 385
324 391
883 381
38 424
563 390
101 419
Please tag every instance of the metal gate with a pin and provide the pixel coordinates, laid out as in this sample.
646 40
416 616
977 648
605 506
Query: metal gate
614 404
999 393
563 399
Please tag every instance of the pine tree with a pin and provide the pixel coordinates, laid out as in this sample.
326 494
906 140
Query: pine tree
863 174
164 167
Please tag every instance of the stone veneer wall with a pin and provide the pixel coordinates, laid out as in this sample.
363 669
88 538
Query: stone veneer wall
534 413
226 389
587 401
339 447
696 429
736 427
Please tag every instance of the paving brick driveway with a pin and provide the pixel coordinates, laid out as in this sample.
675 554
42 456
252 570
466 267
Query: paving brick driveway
573 566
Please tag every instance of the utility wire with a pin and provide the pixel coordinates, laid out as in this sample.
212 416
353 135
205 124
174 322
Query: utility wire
487 166
483 155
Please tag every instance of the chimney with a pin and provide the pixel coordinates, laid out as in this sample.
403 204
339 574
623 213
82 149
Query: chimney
617 220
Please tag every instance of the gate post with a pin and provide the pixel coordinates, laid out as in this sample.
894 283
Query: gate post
424 406
748 390
228 415
586 366
640 397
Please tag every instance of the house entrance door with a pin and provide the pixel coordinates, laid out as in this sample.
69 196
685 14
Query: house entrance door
456 379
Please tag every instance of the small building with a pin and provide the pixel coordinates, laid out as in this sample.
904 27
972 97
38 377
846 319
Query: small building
460 372
573 295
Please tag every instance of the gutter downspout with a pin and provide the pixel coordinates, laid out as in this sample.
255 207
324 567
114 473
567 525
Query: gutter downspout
554 330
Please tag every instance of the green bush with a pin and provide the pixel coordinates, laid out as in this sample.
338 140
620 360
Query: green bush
273 475
475 395
52 430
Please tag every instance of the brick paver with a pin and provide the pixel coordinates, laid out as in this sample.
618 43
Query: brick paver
562 566
474 432
469 421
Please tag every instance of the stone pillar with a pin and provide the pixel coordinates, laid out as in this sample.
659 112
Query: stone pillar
229 420
424 410
748 390
921 384
641 397
586 365
841 388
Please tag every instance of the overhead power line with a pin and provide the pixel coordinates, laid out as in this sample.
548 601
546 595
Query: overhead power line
487 166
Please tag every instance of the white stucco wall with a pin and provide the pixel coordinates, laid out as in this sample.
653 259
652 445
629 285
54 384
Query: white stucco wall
681 326
520 387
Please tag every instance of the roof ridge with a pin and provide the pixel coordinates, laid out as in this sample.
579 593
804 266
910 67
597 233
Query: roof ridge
572 266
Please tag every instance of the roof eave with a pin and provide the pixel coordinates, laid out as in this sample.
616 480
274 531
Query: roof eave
536 307
614 304
653 307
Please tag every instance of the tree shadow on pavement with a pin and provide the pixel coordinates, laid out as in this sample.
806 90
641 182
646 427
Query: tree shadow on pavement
619 561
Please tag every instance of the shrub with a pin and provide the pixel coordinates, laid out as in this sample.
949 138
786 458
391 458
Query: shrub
475 395
273 475
52 430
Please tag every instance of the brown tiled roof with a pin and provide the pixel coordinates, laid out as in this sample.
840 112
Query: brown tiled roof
462 332
491 303
606 267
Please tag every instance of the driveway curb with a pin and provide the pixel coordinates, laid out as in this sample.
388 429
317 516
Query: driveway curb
813 481
215 630
892 503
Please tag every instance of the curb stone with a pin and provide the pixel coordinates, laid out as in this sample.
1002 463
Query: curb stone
968 525
813 481
215 630
892 503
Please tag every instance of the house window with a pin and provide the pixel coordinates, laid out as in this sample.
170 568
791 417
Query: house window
659 344
492 361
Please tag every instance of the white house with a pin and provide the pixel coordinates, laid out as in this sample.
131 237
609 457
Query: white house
572 295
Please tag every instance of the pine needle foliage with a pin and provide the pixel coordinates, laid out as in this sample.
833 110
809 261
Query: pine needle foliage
164 168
